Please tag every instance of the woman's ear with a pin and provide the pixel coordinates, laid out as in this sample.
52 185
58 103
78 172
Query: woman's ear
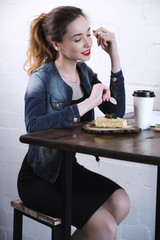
55 45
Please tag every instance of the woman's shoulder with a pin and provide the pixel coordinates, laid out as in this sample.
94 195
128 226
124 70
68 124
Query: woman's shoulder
47 67
44 72
41 77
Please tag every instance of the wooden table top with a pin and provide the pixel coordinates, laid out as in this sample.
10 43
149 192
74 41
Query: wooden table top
143 147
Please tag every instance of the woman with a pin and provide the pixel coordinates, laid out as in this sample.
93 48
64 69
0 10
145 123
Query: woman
62 91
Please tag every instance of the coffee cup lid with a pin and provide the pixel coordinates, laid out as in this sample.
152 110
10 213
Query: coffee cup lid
143 93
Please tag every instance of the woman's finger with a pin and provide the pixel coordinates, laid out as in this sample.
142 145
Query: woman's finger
106 94
98 31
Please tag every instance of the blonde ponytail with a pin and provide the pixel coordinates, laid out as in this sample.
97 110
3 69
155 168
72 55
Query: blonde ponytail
40 51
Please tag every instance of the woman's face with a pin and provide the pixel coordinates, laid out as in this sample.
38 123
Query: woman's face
77 42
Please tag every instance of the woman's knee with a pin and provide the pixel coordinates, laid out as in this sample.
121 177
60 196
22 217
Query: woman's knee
118 204
123 201
101 225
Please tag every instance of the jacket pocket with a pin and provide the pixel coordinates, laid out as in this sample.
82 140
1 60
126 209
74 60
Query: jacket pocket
56 105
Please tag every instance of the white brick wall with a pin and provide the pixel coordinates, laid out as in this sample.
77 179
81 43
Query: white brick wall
136 24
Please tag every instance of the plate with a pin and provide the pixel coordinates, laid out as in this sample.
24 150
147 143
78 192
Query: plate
157 129
91 128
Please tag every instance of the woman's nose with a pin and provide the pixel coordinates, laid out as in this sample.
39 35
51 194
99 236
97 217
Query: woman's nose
88 42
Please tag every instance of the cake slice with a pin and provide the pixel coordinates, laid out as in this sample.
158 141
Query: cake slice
110 123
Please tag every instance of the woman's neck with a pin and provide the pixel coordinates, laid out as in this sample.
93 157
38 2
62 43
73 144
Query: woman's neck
66 67
69 74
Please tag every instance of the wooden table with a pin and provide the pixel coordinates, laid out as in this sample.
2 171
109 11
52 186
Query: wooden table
143 147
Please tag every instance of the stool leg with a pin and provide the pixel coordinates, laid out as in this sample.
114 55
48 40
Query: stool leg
57 232
17 227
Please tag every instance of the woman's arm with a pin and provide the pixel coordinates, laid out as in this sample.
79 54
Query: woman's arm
107 41
99 94
116 90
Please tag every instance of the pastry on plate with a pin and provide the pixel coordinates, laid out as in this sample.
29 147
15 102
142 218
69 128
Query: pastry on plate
104 122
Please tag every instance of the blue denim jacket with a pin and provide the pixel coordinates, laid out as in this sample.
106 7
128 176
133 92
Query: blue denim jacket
48 105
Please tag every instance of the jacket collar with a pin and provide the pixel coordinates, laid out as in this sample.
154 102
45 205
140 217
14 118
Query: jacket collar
84 78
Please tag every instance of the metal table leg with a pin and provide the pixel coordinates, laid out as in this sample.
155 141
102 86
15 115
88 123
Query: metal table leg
67 194
157 226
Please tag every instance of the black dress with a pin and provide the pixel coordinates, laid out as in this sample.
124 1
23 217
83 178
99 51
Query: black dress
89 190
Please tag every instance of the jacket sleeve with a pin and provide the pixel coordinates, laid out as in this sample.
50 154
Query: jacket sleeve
37 117
117 89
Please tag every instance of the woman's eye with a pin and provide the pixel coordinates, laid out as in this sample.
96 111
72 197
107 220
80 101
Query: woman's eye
77 40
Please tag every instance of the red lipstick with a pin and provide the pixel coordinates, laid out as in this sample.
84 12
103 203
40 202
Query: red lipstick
86 53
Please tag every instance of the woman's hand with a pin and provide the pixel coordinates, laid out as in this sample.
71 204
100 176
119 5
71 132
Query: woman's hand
99 94
107 41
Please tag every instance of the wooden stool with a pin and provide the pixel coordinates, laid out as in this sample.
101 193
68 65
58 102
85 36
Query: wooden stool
20 209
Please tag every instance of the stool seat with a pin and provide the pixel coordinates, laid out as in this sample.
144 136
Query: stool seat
19 205
20 209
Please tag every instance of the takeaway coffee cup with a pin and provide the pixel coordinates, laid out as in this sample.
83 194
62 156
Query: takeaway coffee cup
143 106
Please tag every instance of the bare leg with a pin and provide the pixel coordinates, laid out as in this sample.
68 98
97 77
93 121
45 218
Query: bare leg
102 225
118 205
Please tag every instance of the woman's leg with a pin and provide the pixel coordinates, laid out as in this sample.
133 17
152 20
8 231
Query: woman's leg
118 204
102 225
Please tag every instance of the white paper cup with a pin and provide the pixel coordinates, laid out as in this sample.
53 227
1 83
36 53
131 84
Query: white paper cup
143 106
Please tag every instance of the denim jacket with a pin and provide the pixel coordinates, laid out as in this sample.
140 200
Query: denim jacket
48 105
